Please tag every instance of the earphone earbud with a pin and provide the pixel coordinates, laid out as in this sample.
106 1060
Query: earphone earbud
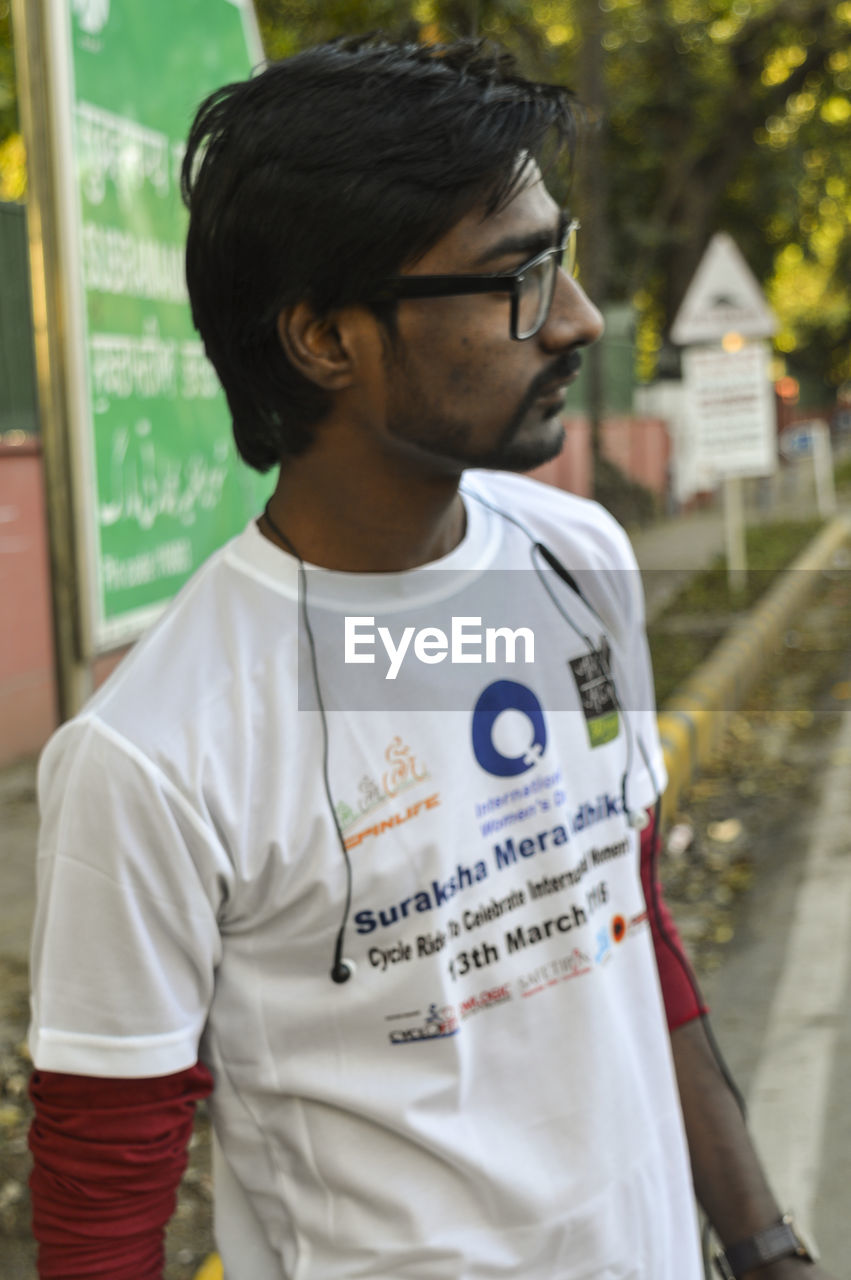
342 971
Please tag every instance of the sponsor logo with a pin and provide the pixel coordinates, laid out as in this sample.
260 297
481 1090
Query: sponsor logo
572 965
509 731
484 1000
395 820
437 1024
402 772
604 946
621 928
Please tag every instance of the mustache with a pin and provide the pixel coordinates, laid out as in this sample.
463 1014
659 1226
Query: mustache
564 367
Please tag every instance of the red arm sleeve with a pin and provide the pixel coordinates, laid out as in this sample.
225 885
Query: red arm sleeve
680 991
108 1157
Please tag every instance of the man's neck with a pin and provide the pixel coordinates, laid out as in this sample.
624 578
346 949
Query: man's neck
334 519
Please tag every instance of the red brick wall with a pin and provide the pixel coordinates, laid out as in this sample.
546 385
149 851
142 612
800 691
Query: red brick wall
641 448
27 692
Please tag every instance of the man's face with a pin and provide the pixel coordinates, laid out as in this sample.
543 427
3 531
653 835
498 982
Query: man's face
458 390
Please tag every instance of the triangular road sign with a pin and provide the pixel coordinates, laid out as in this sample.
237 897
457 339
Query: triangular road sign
723 297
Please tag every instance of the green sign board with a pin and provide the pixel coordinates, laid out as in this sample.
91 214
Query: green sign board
159 485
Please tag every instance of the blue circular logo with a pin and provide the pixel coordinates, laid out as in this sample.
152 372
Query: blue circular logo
526 729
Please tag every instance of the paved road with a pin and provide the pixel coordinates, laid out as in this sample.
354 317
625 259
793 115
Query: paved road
18 823
782 1009
782 997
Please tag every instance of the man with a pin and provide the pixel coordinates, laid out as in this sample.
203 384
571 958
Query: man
315 846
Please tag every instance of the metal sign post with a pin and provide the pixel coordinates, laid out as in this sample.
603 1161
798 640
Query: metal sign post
49 323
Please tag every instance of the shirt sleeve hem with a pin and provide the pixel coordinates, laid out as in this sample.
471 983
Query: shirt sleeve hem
113 1057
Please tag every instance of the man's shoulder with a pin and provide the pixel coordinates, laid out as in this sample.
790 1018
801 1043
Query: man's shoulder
579 530
196 664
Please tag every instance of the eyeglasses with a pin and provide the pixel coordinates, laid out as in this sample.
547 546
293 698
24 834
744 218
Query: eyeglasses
531 286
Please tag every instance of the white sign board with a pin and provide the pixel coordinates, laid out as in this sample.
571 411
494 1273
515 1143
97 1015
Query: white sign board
730 408
723 297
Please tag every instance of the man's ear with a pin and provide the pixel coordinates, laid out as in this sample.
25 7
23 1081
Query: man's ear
318 346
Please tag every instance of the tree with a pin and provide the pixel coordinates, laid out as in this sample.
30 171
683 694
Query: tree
710 115
8 97
13 168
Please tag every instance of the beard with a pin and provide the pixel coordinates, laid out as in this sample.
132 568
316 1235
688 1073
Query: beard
530 437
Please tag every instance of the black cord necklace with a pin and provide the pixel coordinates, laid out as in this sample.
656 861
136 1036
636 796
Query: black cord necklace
342 969
279 533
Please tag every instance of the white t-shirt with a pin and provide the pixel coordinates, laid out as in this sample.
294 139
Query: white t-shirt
492 1093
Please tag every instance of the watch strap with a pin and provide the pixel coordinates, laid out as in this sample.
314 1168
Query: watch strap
780 1240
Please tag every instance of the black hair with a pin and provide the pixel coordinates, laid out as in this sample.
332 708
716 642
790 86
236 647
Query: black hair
324 174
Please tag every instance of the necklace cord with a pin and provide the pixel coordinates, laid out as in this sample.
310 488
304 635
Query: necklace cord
341 969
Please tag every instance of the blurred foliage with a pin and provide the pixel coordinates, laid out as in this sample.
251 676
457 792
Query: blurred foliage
13 168
8 103
13 164
842 474
632 504
715 114
708 115
675 651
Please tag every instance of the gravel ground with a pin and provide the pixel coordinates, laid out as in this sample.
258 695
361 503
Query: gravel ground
720 838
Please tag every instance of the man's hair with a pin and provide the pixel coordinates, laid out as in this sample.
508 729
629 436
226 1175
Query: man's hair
328 172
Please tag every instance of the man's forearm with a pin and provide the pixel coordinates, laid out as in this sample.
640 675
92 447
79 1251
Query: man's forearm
729 1180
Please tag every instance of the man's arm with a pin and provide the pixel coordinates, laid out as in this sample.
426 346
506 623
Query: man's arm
107 1159
728 1178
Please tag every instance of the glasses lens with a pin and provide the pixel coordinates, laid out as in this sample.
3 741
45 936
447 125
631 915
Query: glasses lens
536 294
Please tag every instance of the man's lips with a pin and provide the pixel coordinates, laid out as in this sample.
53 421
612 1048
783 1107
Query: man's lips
559 380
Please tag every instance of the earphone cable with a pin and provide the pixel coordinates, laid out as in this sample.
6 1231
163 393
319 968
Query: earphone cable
341 970
654 904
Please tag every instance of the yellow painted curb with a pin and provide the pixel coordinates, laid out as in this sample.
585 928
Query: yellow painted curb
693 718
210 1269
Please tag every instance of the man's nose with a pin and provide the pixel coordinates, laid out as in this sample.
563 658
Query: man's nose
573 319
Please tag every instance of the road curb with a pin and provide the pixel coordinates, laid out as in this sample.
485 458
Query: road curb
692 720
211 1268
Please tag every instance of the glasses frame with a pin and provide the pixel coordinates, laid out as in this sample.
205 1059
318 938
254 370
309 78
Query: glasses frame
510 282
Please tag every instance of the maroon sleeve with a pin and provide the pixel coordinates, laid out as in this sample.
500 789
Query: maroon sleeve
680 991
108 1157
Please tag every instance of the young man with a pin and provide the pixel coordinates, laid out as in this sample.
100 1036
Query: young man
357 845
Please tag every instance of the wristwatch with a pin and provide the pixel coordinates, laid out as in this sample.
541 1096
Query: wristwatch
781 1240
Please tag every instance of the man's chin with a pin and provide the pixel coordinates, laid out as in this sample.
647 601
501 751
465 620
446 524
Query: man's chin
525 453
